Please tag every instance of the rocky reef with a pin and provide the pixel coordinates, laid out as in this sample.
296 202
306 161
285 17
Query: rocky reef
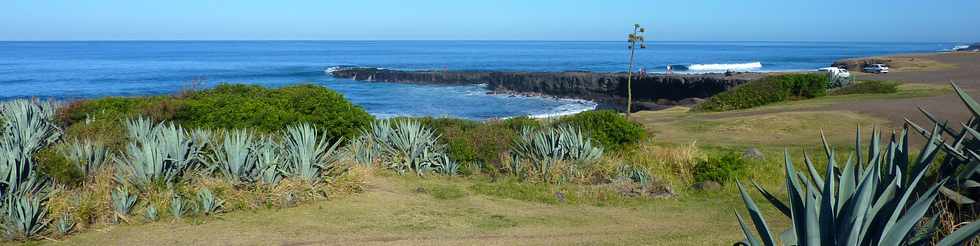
602 87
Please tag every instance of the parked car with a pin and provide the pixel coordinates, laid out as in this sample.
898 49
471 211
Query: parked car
876 68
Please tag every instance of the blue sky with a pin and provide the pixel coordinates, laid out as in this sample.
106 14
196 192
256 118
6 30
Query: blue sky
715 20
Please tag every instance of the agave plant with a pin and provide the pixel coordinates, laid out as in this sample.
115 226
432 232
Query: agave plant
158 153
151 213
402 145
268 156
25 215
177 208
962 161
26 129
65 224
308 155
88 156
210 204
236 157
446 166
635 174
559 143
122 202
868 201
539 152
28 124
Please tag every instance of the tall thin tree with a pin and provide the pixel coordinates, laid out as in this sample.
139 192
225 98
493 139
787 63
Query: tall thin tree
635 40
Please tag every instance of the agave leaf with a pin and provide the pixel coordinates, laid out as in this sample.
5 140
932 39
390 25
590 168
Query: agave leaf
960 199
814 174
962 235
773 200
814 229
752 240
848 183
936 121
923 234
852 215
827 207
896 234
797 206
970 103
756 215
857 147
971 184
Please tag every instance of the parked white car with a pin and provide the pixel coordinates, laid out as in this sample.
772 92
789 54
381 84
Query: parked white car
876 68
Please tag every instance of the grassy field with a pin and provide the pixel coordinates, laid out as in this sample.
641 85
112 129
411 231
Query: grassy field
786 124
408 210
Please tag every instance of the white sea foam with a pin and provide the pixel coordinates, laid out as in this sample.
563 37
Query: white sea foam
573 106
725 67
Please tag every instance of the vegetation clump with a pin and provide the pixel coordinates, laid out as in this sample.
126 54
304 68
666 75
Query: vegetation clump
767 90
234 106
721 168
607 128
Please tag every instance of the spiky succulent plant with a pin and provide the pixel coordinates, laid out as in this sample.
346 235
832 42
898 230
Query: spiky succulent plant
873 200
308 155
151 213
158 153
235 158
122 202
210 204
402 145
65 224
88 156
177 207
961 162
268 159
26 128
539 152
25 215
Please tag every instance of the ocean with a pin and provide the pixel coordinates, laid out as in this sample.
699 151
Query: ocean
76 70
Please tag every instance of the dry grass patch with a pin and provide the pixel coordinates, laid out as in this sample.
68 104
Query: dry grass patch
766 129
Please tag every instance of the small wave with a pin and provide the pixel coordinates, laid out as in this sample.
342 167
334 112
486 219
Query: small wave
720 67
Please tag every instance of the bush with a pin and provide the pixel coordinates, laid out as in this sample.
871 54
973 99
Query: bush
721 169
868 87
474 143
767 90
111 132
611 130
233 106
58 167
250 106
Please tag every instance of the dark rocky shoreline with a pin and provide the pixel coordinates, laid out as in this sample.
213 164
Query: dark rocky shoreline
608 89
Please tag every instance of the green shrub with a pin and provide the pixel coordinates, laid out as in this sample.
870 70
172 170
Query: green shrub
803 86
868 87
474 143
721 168
111 132
767 90
250 106
158 108
611 130
58 167
233 106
